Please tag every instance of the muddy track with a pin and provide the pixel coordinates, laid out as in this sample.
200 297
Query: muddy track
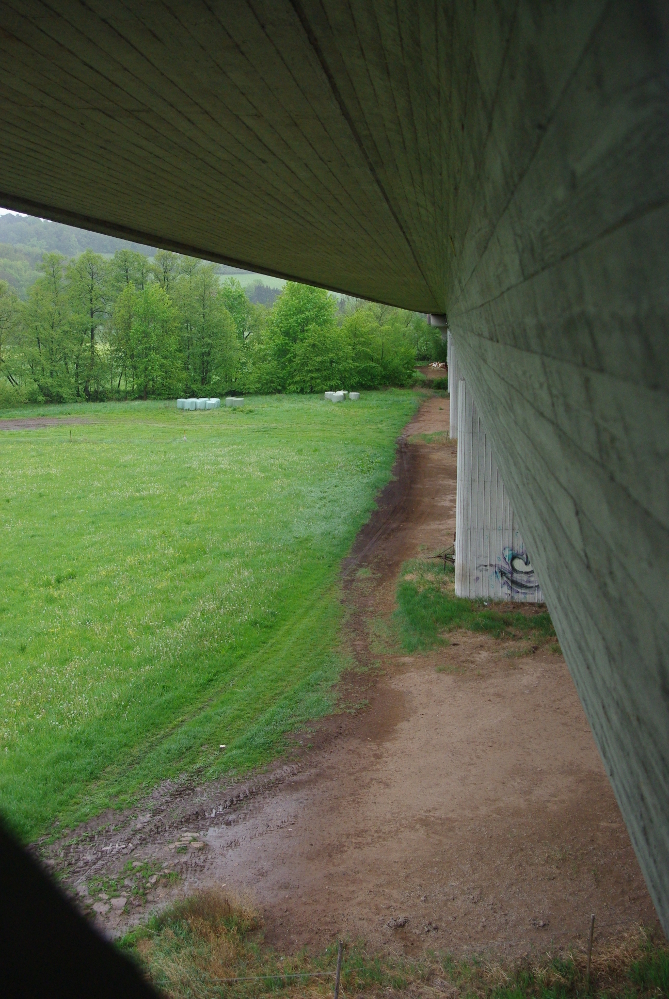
459 788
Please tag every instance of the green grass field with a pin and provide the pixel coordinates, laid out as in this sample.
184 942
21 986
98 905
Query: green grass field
169 583
248 280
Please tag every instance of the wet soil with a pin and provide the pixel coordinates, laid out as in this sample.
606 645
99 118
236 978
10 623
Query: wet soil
458 793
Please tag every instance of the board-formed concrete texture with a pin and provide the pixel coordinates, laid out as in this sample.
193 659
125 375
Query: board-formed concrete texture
503 162
491 560
453 387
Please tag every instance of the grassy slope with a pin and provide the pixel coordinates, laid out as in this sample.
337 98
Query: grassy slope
162 595
193 948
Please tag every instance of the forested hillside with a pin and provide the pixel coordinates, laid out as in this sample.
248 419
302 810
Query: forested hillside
31 233
18 267
23 240
133 326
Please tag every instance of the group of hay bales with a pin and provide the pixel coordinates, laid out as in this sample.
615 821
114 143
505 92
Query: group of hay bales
208 403
239 401
198 403
341 395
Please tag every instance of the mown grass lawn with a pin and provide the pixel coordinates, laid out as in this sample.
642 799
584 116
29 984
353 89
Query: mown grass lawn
168 583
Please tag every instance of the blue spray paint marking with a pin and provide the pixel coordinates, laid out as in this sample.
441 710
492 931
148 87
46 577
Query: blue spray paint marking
515 572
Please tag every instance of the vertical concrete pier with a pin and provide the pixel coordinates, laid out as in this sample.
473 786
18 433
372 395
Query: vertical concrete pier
491 560
453 382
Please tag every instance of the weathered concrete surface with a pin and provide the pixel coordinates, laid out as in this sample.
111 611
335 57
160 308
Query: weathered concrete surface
504 162
491 559
453 386
559 317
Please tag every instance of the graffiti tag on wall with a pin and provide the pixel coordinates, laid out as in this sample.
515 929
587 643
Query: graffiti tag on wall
516 574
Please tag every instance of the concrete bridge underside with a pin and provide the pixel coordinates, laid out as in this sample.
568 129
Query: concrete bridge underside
503 162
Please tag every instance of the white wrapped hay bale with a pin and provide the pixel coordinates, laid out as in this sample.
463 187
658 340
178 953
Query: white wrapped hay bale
181 403
213 403
201 404
234 401
190 403
328 396
354 396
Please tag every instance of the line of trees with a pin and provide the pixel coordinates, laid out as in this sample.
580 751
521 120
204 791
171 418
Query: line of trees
137 327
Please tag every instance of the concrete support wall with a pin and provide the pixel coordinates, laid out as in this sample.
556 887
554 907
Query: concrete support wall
560 320
490 556
604 585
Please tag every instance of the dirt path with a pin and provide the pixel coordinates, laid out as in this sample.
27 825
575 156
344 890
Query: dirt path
466 801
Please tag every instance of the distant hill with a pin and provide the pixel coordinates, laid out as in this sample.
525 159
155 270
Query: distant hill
23 240
19 267
30 233
262 294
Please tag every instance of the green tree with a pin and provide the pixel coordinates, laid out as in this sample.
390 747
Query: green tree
297 316
397 350
361 328
382 344
154 345
322 360
10 334
127 267
120 339
235 300
209 343
255 369
46 344
165 269
87 280
427 339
